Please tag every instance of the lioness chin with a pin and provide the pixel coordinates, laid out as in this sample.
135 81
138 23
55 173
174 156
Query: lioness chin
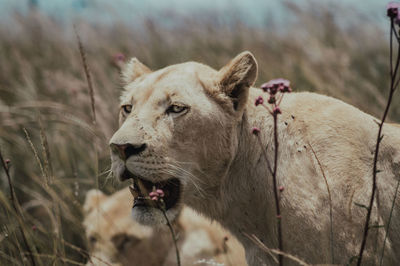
186 129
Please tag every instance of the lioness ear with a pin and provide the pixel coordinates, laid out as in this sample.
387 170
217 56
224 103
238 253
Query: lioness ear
237 77
133 69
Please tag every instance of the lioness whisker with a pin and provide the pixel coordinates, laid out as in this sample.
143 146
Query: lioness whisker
176 170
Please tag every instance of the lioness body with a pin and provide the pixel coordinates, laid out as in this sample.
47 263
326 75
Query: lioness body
209 147
343 139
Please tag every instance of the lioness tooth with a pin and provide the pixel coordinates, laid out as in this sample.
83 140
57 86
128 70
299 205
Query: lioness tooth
133 191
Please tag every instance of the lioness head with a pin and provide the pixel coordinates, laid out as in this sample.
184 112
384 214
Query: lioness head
178 131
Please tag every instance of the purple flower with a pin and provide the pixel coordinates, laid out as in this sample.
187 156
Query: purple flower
156 194
281 188
153 194
255 131
259 100
275 85
160 192
393 11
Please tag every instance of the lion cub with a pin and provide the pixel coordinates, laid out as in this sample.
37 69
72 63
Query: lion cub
116 239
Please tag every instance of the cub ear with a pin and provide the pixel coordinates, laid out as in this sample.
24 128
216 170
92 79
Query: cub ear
92 200
237 77
133 69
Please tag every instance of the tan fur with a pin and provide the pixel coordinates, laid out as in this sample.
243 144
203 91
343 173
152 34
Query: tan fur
115 238
224 176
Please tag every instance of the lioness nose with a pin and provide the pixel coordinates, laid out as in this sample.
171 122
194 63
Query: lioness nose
126 150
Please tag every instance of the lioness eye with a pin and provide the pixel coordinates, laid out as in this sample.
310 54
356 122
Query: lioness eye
127 108
174 108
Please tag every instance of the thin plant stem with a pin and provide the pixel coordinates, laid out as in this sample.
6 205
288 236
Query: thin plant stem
273 251
378 142
389 220
391 48
178 260
278 210
15 205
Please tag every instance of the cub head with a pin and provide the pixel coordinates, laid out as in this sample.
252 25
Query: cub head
110 232
178 132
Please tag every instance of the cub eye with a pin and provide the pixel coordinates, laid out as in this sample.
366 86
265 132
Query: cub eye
127 108
177 109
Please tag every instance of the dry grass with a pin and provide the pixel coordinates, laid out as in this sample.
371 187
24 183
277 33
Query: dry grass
43 89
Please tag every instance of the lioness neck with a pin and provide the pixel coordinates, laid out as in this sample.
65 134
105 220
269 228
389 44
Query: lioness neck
249 183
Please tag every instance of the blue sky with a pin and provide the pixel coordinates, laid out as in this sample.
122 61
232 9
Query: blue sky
251 11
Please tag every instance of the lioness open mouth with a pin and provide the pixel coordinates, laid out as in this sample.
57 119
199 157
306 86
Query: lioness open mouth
141 188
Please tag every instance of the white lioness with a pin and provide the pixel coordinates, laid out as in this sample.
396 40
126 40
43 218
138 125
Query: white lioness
187 130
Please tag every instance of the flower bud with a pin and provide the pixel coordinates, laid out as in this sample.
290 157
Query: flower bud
277 110
255 131
153 194
393 11
160 192
259 100
271 99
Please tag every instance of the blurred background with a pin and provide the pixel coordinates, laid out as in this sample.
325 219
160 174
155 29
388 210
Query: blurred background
56 151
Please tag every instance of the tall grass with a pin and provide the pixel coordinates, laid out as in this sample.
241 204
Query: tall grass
62 154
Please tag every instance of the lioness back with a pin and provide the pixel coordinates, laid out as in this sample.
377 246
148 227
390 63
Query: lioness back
316 129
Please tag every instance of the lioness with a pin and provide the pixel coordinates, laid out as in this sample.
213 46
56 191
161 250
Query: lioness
186 129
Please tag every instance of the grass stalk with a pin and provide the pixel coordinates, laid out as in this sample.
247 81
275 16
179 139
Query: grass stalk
87 74
15 204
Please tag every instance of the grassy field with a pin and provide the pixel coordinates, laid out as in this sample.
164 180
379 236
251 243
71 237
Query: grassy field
57 152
